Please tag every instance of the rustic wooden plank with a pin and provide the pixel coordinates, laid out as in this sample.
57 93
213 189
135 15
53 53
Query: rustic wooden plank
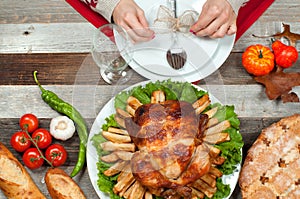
45 38
76 37
249 100
57 68
79 68
54 35
37 11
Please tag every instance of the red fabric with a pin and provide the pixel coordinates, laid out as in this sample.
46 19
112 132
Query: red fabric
249 13
93 17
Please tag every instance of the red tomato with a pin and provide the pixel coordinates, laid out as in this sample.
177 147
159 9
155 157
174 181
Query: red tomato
285 56
32 158
20 141
29 121
42 137
56 154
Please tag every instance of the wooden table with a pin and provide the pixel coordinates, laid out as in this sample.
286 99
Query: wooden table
52 38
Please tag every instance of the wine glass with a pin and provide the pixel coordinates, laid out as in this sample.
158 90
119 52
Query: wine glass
111 51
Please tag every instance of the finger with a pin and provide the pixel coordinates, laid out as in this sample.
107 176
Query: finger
232 29
141 30
212 28
143 33
142 19
203 21
221 32
135 37
136 34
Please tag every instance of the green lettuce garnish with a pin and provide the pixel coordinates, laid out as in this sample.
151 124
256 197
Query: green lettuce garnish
183 91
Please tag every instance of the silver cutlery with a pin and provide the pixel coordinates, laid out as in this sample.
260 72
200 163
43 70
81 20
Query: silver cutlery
176 55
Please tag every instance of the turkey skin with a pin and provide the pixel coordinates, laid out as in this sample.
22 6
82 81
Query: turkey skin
168 137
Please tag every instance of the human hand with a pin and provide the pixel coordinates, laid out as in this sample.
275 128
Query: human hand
216 19
131 17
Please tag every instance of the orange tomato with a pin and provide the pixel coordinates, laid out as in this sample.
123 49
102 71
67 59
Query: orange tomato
258 60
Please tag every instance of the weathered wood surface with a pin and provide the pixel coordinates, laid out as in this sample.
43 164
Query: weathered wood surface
53 26
52 38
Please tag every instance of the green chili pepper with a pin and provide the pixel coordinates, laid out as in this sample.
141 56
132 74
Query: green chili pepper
67 109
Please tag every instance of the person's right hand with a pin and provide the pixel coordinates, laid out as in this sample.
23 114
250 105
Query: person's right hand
131 17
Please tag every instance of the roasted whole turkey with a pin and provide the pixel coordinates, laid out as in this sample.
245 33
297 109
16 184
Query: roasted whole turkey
165 148
170 153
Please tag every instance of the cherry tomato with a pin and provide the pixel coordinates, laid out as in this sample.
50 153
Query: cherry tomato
20 141
32 158
56 154
42 137
29 121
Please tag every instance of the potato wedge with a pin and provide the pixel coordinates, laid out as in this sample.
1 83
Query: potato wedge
158 96
204 188
116 168
216 138
110 146
117 138
210 113
217 128
117 131
124 181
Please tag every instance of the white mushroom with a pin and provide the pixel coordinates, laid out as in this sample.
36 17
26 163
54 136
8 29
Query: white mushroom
62 128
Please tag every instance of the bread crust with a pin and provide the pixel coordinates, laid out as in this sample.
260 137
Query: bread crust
272 166
15 181
61 186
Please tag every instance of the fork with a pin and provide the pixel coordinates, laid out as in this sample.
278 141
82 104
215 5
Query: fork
176 55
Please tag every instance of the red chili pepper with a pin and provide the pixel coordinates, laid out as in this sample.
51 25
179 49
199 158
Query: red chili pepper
285 56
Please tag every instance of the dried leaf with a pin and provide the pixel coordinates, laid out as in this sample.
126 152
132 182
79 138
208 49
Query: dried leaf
279 84
286 33
289 97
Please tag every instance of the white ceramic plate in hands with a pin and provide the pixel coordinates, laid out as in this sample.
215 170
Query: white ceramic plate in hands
205 55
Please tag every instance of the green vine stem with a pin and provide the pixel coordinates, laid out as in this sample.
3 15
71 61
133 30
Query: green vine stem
36 146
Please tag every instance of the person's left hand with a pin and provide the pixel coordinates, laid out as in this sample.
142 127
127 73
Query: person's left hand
131 17
216 19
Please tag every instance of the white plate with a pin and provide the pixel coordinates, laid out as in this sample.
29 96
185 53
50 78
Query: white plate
205 55
92 156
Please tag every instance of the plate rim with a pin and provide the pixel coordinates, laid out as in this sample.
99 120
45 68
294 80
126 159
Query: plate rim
96 126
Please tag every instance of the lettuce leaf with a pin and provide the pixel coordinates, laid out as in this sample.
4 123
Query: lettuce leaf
223 190
106 183
230 150
110 122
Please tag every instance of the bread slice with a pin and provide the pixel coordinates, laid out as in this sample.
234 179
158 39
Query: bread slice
61 186
272 165
15 181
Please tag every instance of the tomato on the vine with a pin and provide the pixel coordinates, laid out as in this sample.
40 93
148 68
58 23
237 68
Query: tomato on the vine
20 141
56 154
32 158
42 137
29 122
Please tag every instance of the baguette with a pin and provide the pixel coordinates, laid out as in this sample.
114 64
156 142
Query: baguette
61 186
15 181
